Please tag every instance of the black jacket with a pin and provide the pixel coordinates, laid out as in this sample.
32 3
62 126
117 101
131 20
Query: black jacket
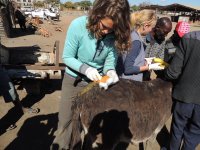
185 69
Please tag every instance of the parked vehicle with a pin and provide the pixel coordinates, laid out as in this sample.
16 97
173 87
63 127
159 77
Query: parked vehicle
27 8
38 13
42 13
55 10
28 13
51 15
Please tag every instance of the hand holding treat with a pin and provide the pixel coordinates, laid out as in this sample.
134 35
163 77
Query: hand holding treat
109 79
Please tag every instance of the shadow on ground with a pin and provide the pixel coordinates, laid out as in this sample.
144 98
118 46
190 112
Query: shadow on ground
27 55
163 138
17 32
14 114
36 133
106 129
112 125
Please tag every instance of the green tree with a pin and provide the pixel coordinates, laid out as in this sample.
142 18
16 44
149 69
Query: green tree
69 5
38 4
135 8
84 4
52 1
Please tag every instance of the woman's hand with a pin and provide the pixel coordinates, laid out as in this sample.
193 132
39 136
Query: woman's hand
111 78
112 74
149 60
93 74
156 66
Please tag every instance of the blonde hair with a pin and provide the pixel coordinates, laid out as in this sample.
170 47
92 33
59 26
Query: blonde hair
142 17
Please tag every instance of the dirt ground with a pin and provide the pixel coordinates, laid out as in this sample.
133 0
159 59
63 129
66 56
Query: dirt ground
36 131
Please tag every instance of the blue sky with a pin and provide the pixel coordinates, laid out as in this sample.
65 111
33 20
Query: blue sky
159 2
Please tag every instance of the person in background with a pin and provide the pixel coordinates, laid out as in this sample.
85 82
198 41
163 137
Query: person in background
181 28
9 93
20 18
184 71
134 62
90 52
155 42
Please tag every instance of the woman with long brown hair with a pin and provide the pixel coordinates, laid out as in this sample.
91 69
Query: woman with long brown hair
90 51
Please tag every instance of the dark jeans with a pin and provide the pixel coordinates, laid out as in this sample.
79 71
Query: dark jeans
64 130
185 126
7 89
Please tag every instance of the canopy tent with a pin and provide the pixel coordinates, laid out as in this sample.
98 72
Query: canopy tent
178 11
173 7
152 7
178 8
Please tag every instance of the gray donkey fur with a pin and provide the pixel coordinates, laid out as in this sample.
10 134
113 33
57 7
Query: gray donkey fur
129 111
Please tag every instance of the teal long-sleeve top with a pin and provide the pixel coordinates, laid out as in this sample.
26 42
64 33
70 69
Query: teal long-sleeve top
82 50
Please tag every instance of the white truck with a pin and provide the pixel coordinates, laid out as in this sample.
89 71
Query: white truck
51 15
35 13
43 13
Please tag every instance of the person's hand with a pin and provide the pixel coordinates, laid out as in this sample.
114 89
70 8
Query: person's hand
105 82
93 74
111 78
156 66
112 74
149 60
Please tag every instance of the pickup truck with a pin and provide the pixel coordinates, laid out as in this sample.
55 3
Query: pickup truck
36 13
42 13
51 15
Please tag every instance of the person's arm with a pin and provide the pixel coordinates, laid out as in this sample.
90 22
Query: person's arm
129 69
110 61
175 67
71 47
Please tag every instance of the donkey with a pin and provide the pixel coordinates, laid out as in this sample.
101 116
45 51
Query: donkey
129 111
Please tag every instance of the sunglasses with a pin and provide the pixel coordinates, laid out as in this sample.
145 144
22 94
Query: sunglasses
104 27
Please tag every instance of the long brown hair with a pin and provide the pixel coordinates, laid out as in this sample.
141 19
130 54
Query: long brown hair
119 12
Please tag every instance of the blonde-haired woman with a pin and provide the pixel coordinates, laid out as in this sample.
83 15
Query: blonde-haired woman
134 65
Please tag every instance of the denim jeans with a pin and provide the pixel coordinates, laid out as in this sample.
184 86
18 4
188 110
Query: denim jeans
185 126
7 89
